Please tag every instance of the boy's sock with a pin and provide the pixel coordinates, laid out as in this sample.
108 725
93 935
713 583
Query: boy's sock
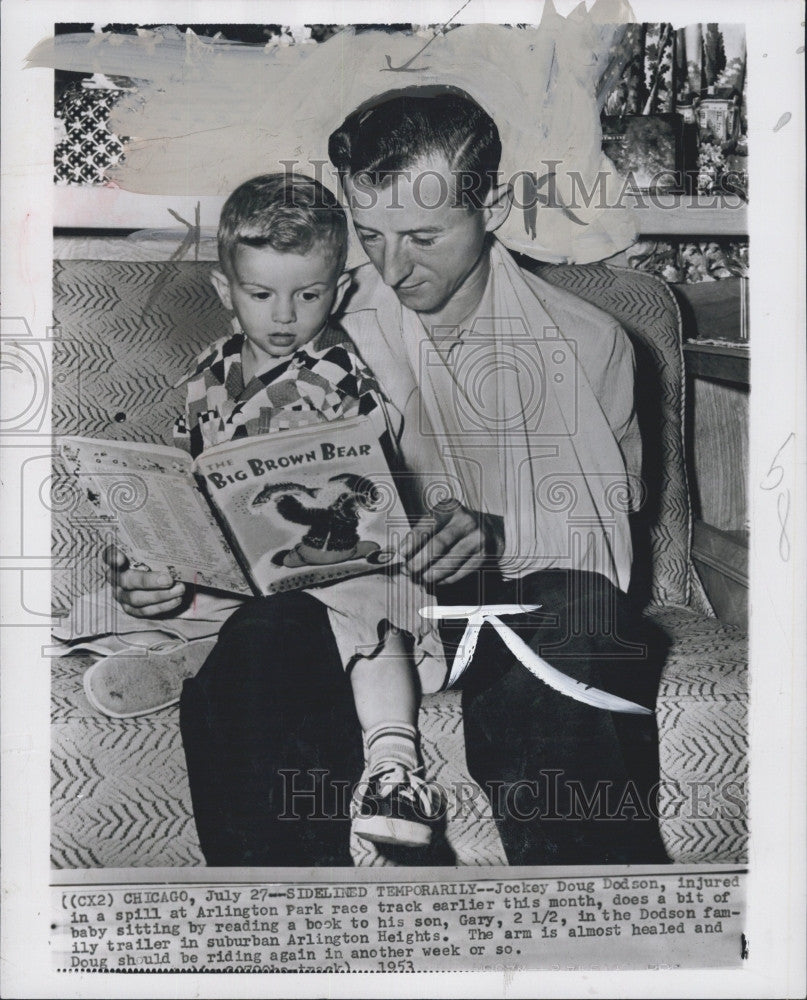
396 806
391 743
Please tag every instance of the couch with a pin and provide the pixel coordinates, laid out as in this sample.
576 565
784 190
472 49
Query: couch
125 332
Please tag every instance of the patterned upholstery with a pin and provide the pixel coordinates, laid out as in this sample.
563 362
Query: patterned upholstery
647 310
701 712
120 791
126 332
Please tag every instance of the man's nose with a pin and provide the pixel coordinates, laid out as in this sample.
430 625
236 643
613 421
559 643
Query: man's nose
283 311
396 265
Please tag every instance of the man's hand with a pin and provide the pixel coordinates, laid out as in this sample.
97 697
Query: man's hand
447 545
140 592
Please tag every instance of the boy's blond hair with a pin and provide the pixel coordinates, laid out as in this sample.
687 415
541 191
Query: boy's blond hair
288 212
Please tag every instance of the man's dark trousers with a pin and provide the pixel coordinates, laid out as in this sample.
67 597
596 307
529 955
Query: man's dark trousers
273 743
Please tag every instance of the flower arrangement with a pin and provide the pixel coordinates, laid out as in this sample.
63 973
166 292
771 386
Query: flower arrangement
690 263
712 166
698 72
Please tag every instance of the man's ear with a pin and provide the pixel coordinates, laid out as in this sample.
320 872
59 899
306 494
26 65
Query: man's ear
342 285
219 281
497 205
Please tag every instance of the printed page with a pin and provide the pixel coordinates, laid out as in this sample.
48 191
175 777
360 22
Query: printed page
308 506
149 494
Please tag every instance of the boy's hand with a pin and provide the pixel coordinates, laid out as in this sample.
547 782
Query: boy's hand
141 593
451 543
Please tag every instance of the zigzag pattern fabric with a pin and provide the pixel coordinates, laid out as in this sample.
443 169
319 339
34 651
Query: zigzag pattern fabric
702 718
647 310
125 334
119 792
120 797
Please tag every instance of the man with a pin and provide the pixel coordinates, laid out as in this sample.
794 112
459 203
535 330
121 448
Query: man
517 402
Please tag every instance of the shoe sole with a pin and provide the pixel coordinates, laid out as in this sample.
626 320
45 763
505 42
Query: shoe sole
167 669
386 830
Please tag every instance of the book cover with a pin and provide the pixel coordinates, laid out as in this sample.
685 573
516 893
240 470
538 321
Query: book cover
262 514
309 506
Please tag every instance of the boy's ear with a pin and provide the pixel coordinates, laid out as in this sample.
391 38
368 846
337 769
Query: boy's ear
219 281
497 205
342 285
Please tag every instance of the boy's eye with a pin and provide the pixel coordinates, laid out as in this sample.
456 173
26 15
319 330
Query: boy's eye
309 296
260 296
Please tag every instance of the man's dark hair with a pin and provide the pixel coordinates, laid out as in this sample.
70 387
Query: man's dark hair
288 212
393 135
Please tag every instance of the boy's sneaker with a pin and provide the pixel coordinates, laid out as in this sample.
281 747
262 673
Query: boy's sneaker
396 806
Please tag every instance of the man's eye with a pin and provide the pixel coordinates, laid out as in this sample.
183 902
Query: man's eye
368 237
423 241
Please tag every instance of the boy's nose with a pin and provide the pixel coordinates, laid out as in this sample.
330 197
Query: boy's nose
283 312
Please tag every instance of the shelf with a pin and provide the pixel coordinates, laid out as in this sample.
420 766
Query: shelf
710 216
80 206
86 206
713 361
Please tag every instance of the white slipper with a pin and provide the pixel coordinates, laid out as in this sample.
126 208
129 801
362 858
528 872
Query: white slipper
124 685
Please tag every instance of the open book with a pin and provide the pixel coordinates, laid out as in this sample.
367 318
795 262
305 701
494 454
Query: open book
257 515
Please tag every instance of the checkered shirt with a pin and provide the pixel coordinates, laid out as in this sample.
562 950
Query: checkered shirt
324 380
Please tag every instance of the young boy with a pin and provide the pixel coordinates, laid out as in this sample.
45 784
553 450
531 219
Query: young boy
282 249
